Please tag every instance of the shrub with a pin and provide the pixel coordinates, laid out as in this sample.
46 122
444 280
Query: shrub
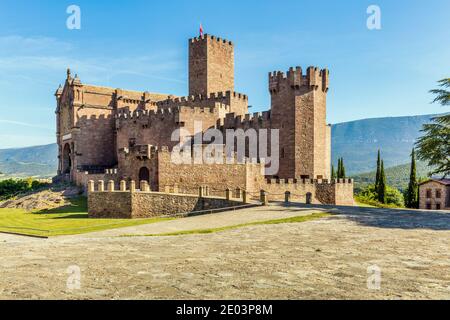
11 187
368 195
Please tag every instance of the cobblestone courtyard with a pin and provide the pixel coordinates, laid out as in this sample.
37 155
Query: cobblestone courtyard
320 259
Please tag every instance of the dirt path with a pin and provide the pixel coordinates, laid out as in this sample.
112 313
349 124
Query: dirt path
328 258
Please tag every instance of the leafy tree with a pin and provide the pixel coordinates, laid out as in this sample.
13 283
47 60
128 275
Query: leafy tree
434 145
11 187
442 95
412 193
381 190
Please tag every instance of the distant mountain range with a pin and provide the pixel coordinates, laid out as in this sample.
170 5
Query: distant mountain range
356 141
39 161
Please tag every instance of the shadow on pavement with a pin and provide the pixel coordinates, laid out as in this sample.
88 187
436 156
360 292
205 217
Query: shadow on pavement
387 218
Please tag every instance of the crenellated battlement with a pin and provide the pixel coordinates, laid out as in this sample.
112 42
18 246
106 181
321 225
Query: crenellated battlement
224 97
207 37
314 78
170 111
249 120
309 181
125 114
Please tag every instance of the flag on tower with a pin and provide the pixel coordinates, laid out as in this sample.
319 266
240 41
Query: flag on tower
201 30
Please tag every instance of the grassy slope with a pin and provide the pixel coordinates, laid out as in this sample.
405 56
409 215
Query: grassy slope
64 221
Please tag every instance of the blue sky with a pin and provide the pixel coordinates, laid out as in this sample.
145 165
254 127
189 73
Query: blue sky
142 45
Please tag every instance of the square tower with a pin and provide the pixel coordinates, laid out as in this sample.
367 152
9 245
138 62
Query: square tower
299 105
211 65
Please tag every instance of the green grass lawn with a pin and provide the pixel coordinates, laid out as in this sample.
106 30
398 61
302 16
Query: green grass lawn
66 220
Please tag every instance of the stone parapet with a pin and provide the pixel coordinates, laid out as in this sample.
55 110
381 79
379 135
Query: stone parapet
130 203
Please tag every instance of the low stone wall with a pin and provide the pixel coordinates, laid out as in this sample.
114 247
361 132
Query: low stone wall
157 204
334 192
137 204
110 205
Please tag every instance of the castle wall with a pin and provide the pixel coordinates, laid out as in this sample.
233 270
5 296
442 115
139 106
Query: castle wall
94 139
134 205
334 192
133 159
235 102
146 128
156 127
189 177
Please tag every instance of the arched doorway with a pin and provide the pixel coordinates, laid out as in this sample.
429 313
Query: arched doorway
67 160
144 175
309 198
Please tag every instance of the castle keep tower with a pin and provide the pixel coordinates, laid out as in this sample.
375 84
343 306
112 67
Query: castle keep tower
299 111
211 65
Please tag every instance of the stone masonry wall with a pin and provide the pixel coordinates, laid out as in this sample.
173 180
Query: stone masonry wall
188 177
127 205
335 192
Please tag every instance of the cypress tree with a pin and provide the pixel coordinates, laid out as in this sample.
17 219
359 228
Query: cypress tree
377 177
342 169
338 175
382 185
333 173
412 193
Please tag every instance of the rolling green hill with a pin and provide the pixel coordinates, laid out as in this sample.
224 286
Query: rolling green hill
13 169
397 176
46 154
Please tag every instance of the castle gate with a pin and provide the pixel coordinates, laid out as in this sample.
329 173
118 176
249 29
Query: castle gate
144 174
66 161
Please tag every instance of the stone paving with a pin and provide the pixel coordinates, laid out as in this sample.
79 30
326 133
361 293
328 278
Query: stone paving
320 259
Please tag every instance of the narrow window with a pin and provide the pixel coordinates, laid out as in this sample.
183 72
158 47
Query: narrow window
428 193
438 194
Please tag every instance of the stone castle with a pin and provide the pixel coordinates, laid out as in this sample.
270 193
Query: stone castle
122 135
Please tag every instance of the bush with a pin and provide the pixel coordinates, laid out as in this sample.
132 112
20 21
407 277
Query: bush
368 195
11 187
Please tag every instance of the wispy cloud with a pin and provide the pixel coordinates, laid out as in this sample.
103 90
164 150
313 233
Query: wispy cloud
24 57
18 45
25 124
